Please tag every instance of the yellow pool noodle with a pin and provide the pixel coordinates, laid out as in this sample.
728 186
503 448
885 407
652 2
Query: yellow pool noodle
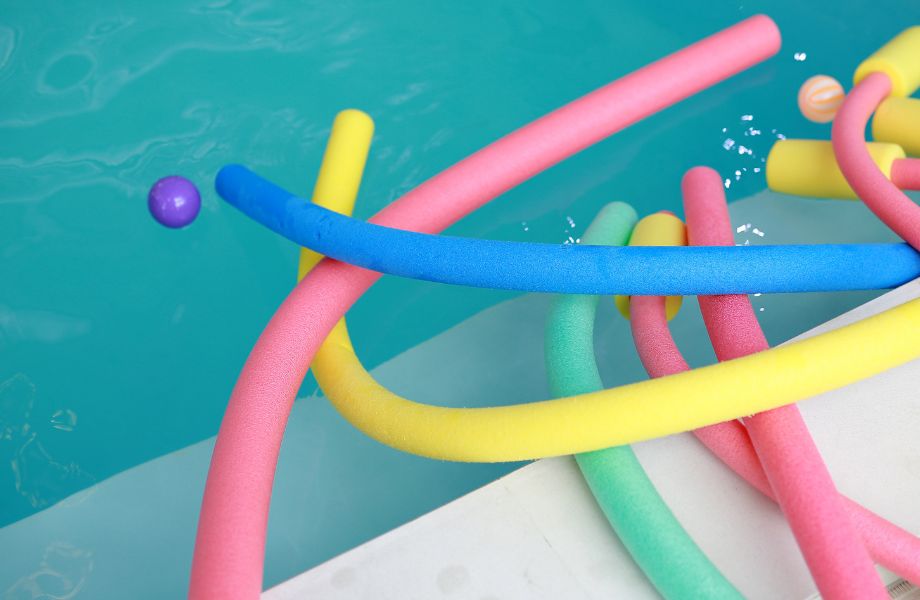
623 415
659 229
897 121
809 168
340 172
899 59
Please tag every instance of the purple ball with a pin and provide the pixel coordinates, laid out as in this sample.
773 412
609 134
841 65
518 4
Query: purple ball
174 201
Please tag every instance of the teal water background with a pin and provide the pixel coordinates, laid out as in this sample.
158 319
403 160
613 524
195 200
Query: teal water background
121 340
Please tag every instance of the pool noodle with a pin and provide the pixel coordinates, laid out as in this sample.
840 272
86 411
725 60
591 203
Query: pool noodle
622 415
897 59
802 485
336 188
568 268
883 198
809 167
660 229
892 546
340 172
906 174
230 542
897 121
651 533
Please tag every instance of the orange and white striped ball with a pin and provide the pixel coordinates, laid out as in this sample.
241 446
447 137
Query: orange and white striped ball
820 97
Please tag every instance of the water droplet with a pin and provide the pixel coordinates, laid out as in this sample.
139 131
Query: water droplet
800 56
64 419
62 573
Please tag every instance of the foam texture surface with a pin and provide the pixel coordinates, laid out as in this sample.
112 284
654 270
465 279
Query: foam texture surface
889 203
568 268
801 482
654 537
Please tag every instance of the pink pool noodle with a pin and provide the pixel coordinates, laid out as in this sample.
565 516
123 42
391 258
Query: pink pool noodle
881 195
801 483
905 173
230 544
894 547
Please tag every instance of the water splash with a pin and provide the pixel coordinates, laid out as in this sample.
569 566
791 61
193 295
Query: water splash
64 419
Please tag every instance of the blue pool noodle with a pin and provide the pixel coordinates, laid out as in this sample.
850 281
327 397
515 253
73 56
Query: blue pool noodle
567 268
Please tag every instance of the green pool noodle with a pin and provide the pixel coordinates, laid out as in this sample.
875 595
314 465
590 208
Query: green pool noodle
651 533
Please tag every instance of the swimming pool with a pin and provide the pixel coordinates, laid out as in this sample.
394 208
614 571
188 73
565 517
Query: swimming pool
121 340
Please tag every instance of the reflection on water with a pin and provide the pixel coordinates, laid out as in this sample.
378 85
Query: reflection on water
36 476
61 575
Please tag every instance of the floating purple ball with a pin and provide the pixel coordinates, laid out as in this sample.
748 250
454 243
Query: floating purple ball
174 201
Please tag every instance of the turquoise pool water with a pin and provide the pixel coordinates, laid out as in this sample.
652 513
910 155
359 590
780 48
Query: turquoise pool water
120 340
